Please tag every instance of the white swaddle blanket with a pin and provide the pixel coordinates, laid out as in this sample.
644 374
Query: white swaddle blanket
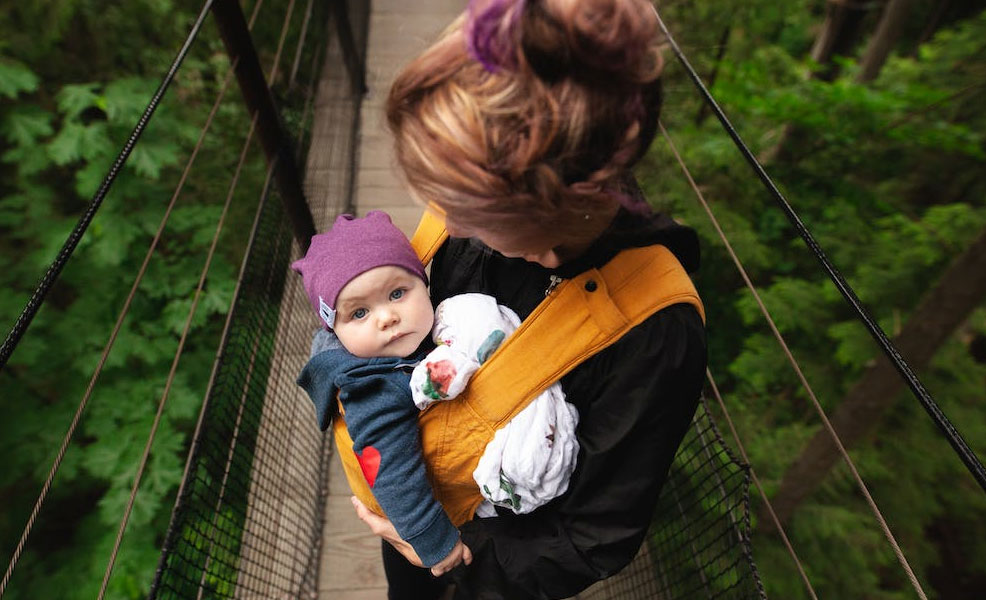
530 460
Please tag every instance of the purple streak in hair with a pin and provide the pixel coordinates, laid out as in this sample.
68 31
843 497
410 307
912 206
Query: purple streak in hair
490 27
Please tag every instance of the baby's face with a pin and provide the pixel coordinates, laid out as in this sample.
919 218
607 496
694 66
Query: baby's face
385 311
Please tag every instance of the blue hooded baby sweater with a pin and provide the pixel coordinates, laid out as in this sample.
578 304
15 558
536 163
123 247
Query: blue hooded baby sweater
383 422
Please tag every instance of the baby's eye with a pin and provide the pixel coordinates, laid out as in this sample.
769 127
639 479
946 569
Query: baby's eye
359 313
397 294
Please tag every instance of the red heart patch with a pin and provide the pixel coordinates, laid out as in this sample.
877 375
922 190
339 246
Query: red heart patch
369 462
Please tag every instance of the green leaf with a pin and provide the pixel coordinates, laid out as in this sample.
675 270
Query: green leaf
16 77
74 98
127 98
30 159
67 146
12 208
90 177
96 143
25 124
149 158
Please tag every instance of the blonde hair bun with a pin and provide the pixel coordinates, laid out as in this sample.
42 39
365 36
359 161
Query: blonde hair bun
596 40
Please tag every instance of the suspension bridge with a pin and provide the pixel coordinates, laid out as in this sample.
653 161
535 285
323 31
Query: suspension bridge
263 509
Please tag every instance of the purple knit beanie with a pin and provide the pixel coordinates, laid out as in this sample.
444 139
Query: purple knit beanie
352 247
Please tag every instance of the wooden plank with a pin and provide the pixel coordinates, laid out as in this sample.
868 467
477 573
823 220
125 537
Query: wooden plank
350 553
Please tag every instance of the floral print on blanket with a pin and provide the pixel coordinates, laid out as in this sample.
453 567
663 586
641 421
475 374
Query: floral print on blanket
440 376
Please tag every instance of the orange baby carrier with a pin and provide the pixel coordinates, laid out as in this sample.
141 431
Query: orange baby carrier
580 317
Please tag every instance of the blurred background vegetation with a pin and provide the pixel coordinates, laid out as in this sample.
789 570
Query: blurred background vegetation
75 77
869 114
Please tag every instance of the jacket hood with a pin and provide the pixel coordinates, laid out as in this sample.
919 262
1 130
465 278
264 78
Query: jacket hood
319 378
331 367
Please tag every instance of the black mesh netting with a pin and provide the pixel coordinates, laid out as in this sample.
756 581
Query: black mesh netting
699 543
248 519
700 540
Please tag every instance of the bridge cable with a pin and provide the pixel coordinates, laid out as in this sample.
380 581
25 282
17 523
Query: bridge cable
191 313
116 329
51 275
301 44
231 311
797 369
958 444
234 437
174 364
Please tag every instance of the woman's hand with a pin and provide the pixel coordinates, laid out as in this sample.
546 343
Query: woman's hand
459 554
384 528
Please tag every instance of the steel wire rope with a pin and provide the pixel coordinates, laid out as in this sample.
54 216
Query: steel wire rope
230 316
961 448
118 325
193 452
203 277
797 369
174 364
224 342
48 279
271 77
187 327
311 573
301 44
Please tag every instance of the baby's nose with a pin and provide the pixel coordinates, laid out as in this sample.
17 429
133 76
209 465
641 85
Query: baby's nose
388 318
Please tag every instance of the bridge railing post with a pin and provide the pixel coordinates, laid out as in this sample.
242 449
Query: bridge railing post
355 64
260 102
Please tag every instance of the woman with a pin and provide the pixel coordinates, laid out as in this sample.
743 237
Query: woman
520 125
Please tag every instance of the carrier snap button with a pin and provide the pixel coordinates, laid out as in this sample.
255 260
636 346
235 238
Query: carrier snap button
590 286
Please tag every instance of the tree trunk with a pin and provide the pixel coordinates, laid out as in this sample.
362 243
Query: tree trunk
960 290
882 42
838 36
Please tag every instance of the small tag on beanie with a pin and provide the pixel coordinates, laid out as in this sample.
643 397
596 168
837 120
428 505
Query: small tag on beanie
328 315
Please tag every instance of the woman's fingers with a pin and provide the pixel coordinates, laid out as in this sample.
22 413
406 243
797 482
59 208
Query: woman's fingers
381 526
365 514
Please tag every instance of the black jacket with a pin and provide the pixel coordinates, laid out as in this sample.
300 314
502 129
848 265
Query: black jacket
635 400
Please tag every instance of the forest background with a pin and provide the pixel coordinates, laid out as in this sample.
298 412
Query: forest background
868 114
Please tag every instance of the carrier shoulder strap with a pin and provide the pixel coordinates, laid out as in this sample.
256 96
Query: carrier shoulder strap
580 317
429 236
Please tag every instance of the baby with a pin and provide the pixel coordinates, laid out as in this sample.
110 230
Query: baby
369 288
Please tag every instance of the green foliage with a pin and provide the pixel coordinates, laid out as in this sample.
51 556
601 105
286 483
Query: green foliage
75 77
15 78
891 180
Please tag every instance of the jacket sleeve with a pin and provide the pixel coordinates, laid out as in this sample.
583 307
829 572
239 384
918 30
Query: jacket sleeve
383 423
636 401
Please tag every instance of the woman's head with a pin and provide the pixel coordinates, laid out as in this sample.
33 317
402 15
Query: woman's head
520 121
